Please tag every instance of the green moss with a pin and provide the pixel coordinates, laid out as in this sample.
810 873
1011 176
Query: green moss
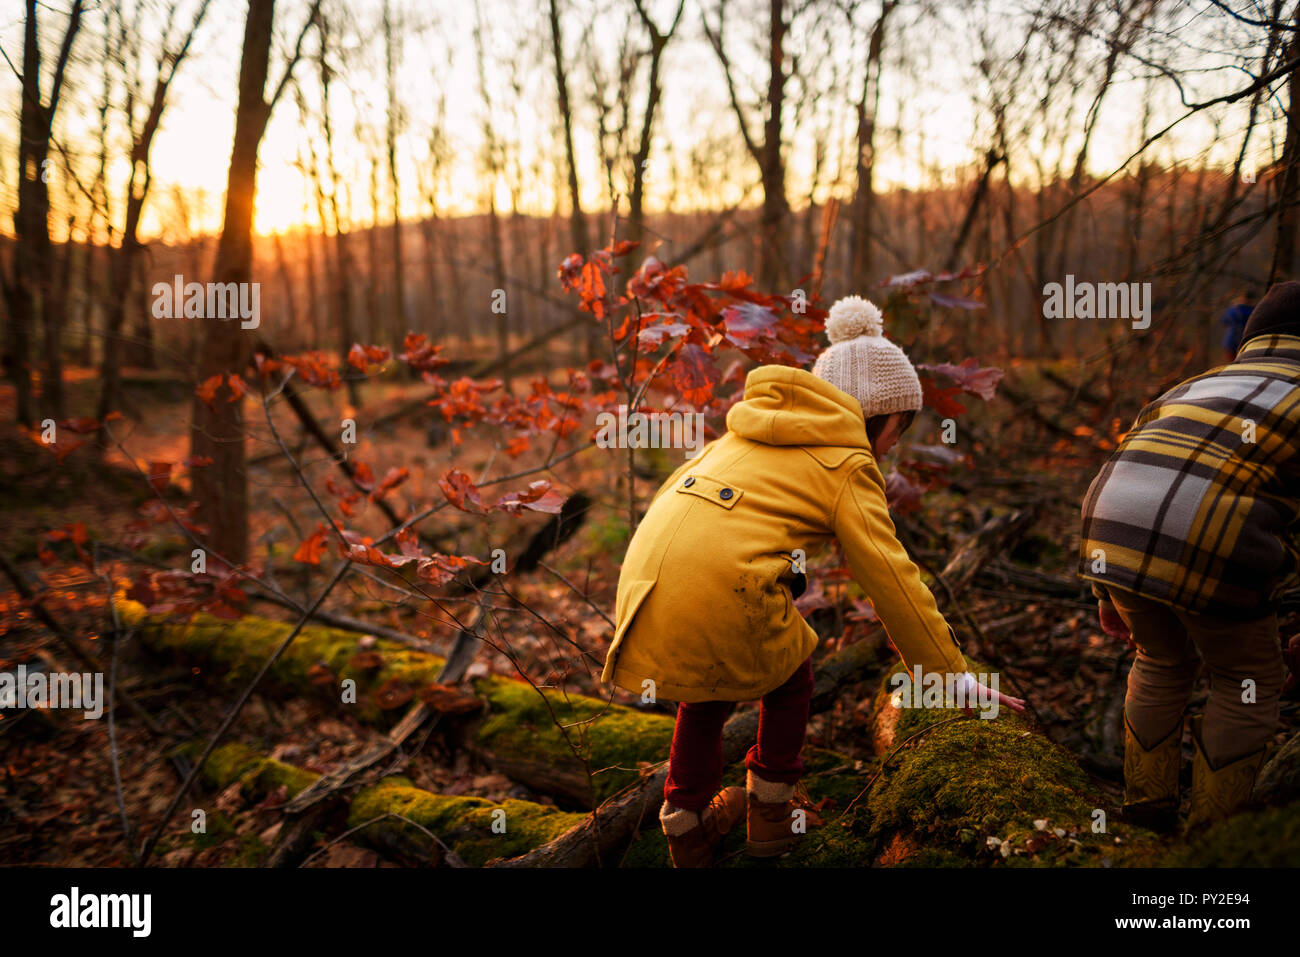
574 734
256 773
235 651
950 790
225 764
612 739
466 824
528 825
965 779
1261 838
936 857
992 776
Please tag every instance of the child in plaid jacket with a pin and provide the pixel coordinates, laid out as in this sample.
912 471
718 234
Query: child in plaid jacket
1189 537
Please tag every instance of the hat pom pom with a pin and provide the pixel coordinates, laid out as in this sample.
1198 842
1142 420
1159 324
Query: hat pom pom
851 317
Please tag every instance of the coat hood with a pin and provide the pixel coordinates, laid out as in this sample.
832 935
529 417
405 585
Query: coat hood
788 406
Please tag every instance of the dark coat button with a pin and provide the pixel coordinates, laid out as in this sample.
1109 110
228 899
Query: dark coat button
725 494
690 480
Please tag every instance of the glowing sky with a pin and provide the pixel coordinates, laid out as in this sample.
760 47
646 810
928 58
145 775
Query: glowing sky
933 106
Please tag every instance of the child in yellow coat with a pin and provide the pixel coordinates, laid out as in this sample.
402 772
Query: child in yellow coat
705 607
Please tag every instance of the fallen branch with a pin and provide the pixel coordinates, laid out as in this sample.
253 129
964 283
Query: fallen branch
316 802
233 713
525 732
398 819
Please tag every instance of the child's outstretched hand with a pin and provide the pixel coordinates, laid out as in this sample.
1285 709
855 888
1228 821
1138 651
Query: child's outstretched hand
983 692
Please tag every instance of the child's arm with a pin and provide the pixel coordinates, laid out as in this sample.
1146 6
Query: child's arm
882 567
880 564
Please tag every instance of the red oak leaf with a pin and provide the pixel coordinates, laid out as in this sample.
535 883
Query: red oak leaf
461 492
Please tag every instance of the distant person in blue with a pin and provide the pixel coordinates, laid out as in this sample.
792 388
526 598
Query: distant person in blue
1234 321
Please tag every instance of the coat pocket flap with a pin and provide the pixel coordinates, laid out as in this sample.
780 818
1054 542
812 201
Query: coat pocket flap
719 493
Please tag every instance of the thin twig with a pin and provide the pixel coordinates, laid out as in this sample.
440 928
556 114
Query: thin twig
452 858
152 841
127 834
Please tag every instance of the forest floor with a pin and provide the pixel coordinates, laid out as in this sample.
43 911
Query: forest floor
58 804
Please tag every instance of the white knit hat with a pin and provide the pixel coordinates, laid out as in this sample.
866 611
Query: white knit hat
863 363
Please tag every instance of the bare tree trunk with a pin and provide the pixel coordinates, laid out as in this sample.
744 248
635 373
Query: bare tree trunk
577 219
343 272
991 160
123 262
1284 242
428 229
286 280
1137 200
658 40
400 323
864 199
492 160
27 289
374 321
775 212
776 208
448 232
308 240
217 430
144 354
86 282
61 288
433 231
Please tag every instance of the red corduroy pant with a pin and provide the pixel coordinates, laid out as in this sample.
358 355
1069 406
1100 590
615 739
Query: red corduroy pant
695 761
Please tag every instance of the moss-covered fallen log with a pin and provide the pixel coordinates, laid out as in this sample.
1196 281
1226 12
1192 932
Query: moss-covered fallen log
615 823
956 787
961 789
954 790
393 815
947 789
584 748
575 747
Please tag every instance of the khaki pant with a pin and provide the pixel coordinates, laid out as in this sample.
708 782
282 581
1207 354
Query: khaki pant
1164 674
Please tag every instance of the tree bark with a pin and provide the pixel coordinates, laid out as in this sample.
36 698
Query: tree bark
399 324
27 290
864 199
1288 216
217 431
658 41
577 219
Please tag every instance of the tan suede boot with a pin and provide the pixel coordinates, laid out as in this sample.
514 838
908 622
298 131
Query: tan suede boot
777 817
694 837
1151 779
1218 793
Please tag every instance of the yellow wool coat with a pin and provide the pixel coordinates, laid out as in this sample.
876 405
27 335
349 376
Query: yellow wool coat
704 607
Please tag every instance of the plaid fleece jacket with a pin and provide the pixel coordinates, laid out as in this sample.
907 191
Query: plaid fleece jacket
1199 507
